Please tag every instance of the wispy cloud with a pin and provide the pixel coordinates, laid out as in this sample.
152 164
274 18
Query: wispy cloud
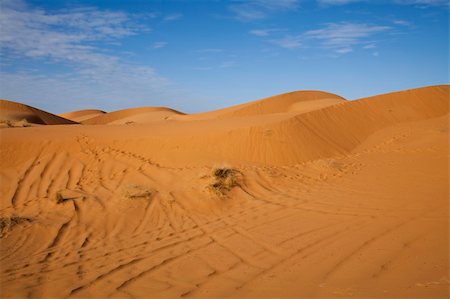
68 36
251 10
402 22
78 40
289 41
425 2
264 32
159 45
337 37
336 2
173 17
209 50
369 46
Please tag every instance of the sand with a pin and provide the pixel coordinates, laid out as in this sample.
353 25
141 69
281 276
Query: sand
82 115
301 195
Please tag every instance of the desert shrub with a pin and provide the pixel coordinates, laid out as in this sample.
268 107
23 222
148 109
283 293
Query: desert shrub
60 198
137 192
223 180
7 122
13 124
24 123
7 223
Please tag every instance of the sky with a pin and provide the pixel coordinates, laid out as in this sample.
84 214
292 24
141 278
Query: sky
197 56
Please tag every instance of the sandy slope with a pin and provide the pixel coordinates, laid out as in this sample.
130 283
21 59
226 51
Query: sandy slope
15 112
347 199
133 115
82 115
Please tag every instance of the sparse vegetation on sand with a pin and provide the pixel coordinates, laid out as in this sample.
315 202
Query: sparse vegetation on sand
224 179
11 124
138 192
61 197
6 122
7 223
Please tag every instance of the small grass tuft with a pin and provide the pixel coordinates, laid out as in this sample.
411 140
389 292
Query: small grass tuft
24 123
7 223
138 192
15 124
60 198
7 122
224 179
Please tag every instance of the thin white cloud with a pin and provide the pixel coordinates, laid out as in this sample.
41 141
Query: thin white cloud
78 40
64 36
250 10
259 32
336 2
344 50
402 23
337 37
159 45
425 2
289 42
263 32
173 17
369 46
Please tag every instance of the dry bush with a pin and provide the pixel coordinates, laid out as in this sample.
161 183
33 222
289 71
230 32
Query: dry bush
137 192
7 122
223 180
7 223
14 124
24 123
59 198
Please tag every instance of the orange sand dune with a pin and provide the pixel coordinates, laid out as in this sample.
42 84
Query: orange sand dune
302 195
297 102
133 115
82 115
14 112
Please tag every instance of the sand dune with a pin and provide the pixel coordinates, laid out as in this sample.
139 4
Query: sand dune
133 115
302 195
297 102
82 115
15 112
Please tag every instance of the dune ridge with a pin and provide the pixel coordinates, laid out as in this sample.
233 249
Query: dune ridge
133 115
82 115
12 111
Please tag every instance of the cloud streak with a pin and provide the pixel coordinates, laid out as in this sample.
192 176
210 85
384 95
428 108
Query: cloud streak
79 40
337 37
336 2
251 10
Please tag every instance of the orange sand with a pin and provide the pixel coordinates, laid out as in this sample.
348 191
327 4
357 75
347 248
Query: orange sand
333 198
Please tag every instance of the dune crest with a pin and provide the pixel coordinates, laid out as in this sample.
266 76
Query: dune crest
82 115
14 112
133 115
297 101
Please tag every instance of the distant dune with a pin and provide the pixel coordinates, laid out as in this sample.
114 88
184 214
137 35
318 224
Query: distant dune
299 195
82 115
14 112
133 115
296 102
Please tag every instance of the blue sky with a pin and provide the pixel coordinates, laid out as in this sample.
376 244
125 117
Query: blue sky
201 55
